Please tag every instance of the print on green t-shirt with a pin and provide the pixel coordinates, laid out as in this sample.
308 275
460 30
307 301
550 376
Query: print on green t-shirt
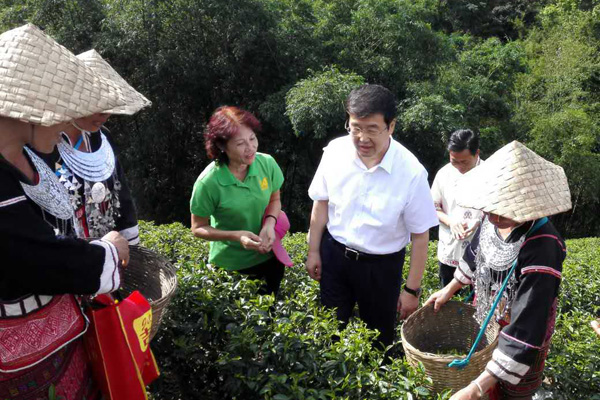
234 206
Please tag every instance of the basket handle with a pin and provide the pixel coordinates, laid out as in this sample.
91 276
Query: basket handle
460 364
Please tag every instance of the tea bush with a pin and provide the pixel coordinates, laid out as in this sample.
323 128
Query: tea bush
220 340
573 365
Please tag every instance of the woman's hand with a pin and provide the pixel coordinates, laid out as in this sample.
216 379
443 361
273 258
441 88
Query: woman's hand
121 244
596 326
267 237
439 298
250 241
470 392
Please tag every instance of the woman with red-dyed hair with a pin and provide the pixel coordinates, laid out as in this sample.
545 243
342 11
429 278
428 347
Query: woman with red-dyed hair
236 201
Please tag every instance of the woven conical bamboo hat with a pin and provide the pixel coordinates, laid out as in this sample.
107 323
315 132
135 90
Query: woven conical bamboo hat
42 82
516 183
135 101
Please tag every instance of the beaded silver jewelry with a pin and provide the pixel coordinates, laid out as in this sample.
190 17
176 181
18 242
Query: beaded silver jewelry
95 167
49 194
493 259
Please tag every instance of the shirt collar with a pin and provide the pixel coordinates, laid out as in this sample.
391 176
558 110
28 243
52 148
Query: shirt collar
253 169
386 162
388 158
226 178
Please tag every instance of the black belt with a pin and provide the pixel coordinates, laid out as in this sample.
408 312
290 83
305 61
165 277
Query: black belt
353 254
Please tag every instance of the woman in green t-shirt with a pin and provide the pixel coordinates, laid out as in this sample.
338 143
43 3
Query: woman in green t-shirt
236 202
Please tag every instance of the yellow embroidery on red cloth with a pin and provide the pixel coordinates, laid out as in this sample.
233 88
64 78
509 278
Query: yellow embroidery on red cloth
142 327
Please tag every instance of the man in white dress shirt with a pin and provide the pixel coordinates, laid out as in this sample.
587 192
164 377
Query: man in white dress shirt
371 196
457 224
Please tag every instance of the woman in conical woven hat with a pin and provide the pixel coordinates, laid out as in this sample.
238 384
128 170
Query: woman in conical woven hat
87 166
516 189
42 87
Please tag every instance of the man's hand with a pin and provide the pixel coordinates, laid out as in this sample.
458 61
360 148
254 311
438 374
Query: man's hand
458 229
407 304
313 265
471 227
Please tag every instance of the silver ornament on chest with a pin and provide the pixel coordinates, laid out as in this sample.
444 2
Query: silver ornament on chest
98 192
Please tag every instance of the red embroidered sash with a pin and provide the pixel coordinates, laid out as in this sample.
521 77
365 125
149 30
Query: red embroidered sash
31 338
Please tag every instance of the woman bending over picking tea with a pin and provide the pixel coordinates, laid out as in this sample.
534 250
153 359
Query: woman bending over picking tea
517 190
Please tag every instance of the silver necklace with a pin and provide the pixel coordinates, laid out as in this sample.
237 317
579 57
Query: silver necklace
101 205
498 254
49 194
95 167
493 260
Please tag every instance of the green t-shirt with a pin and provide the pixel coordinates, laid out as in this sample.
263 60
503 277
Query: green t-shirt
233 205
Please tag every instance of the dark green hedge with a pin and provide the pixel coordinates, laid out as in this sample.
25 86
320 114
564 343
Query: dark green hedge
222 341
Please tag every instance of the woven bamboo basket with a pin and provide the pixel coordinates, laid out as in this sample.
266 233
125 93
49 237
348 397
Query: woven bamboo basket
154 277
426 336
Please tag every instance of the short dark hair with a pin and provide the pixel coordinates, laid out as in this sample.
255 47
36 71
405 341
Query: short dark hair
372 99
463 139
223 125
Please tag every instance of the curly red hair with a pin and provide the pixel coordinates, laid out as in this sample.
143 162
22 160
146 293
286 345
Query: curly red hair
224 124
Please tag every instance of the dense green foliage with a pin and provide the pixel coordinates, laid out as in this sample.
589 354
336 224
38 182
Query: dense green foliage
518 69
220 340
573 364
322 93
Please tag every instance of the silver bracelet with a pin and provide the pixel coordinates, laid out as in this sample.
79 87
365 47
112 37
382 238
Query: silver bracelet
478 387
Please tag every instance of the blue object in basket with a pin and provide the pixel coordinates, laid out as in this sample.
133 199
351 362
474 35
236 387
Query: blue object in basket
460 364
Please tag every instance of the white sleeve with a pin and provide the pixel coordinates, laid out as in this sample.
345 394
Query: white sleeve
110 280
419 213
132 235
436 192
318 186
463 273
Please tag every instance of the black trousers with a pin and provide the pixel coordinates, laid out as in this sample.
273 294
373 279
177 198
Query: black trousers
446 276
446 273
372 282
270 271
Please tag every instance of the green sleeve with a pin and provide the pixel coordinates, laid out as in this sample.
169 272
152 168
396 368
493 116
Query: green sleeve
276 175
202 203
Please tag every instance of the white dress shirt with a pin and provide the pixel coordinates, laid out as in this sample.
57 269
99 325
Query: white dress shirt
373 210
444 193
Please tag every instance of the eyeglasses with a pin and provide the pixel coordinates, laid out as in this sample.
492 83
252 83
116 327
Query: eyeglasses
369 133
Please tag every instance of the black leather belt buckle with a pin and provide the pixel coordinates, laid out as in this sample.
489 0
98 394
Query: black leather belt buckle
351 254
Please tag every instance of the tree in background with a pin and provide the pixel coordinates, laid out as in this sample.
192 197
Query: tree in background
511 69
558 104
492 18
316 104
475 91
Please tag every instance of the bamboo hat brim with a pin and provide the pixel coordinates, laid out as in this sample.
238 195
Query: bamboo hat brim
41 82
516 183
135 101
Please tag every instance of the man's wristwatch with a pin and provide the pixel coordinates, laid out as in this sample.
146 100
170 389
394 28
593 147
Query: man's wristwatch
415 292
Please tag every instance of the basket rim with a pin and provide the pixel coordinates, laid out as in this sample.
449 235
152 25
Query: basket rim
438 357
171 275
